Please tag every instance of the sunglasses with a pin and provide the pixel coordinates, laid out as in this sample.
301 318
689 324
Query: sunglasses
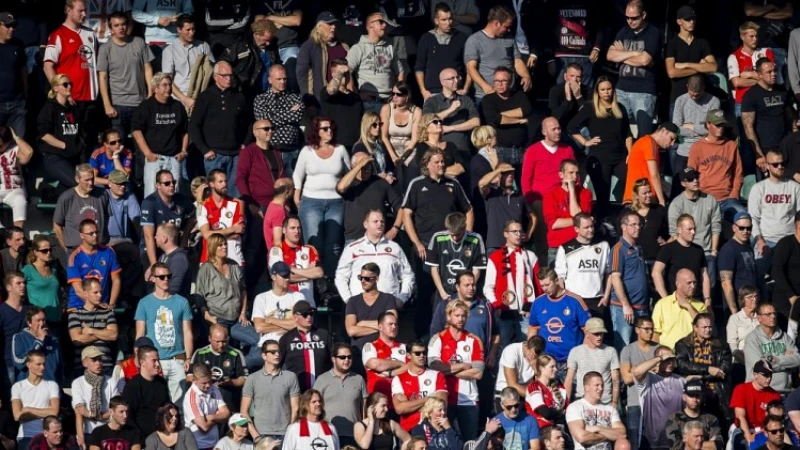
776 164
66 84
267 129
344 357
776 431
367 279
376 124
113 142
328 128
631 19
422 353
510 407
166 183
691 180
306 314
44 250
273 352
399 94
436 122
163 277
744 228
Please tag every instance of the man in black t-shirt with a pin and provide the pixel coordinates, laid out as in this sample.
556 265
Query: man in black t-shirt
737 261
116 434
766 111
342 104
507 111
13 71
686 54
364 191
146 392
679 254
305 350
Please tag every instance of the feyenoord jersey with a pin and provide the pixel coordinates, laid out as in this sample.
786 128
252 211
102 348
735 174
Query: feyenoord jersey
306 354
414 387
74 54
381 350
583 267
451 257
467 348
9 166
302 257
219 217
739 62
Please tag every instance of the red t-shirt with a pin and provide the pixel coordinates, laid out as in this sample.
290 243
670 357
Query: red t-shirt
273 218
754 402
74 54
556 206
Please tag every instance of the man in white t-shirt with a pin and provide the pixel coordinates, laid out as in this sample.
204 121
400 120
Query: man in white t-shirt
595 426
40 396
516 365
203 408
272 310
87 415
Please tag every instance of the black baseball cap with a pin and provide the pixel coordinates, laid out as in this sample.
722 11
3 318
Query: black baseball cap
689 174
764 368
327 17
143 341
280 268
671 127
686 12
303 307
694 388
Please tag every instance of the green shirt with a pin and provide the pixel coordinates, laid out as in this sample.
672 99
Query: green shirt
43 292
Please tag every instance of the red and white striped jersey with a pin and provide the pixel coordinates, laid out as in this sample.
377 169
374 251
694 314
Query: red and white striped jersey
196 404
302 257
414 387
74 54
467 348
381 350
219 217
739 62
10 170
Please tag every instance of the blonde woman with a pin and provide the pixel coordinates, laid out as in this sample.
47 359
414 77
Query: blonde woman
430 137
371 143
654 232
546 398
484 138
400 117
63 137
608 143
321 47
435 428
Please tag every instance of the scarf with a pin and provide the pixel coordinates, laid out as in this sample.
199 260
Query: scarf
96 402
304 431
515 283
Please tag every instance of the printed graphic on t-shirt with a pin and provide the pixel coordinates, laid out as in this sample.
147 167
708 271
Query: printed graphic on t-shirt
115 444
165 327
626 70
573 32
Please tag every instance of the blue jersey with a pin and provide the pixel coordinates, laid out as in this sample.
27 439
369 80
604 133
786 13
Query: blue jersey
81 265
103 165
519 430
560 323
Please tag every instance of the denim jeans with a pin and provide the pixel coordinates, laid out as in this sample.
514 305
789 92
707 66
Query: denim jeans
641 109
12 114
288 56
633 421
780 63
122 122
467 418
162 163
289 161
711 267
226 164
585 63
622 329
512 330
176 379
729 207
247 337
323 227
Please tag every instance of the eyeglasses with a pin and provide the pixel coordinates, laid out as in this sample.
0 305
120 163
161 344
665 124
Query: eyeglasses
113 142
777 164
422 353
227 76
367 279
267 129
744 228
631 19
44 250
344 357
514 231
771 313
163 277
776 431
436 122
326 129
66 84
376 124
167 183
457 77
273 352
93 233
691 180
510 407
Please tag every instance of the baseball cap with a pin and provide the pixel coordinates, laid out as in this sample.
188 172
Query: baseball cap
686 12
238 419
693 388
7 19
281 269
91 352
118 177
302 307
671 127
717 117
742 215
595 325
327 17
689 174
762 367
143 341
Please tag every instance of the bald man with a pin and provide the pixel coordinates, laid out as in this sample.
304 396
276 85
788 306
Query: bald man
277 211
259 167
673 314
458 112
285 110
218 125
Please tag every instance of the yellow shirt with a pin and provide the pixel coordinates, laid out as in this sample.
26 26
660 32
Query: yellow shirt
672 322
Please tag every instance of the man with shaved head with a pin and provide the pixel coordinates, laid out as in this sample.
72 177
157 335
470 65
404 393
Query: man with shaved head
457 112
674 314
277 211
284 109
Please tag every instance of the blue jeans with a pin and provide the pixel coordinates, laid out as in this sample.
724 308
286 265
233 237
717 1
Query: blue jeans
512 330
226 164
162 163
641 109
729 207
247 336
467 418
122 122
288 56
585 63
633 421
711 266
289 161
12 114
622 329
780 63
323 227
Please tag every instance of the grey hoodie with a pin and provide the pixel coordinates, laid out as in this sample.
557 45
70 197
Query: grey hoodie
375 66
780 347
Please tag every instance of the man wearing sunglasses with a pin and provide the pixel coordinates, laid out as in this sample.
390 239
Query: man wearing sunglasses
91 260
775 430
343 391
305 350
412 387
522 430
737 261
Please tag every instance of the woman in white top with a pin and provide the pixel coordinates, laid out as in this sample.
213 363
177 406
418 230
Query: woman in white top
400 118
311 430
743 322
319 168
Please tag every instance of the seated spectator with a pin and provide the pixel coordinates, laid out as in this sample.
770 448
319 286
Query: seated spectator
567 98
741 324
430 137
553 438
434 426
749 400
457 112
315 60
630 296
14 153
561 203
253 57
378 430
659 390
124 226
594 356
178 60
546 398
284 109
693 392
228 367
644 161
295 358
681 254
91 260
654 232
44 278
222 214
768 342
338 99
371 143
518 366
773 434
674 314
33 399
400 120
310 422
85 202
507 110
117 430
272 310
170 431
36 336
302 259
515 421
52 437
146 391
237 437
438 49
204 408
384 357
91 393
176 258
93 325
591 422
61 133
345 391
633 354
14 256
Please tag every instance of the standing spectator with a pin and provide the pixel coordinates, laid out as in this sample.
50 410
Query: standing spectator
226 22
338 99
218 124
489 49
316 60
284 109
274 394
440 49
567 98
83 202
681 254
636 49
91 393
594 356
576 31
259 168
310 422
592 423
371 144
167 318
277 211
125 73
176 258
609 140
116 430
62 133
91 260
165 206
504 202
749 401
742 63
687 54
690 114
302 259
400 129
92 325
228 368
659 391
123 228
787 286
630 294
772 204
451 252
15 74
306 349
775 20
364 309
160 21
633 354
44 276
674 314
160 131
146 391
222 214
34 398
693 392
36 336
13 315
344 391
737 262
507 110
582 265
14 153
375 64
13 257
561 204
178 59
384 357
411 387
110 157
704 209
768 342
321 208
288 18
457 112
644 161
252 58
204 409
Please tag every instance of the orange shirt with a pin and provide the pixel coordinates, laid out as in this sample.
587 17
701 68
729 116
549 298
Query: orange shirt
645 149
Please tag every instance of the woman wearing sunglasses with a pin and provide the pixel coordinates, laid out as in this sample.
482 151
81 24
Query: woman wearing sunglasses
430 136
371 143
400 120
44 277
63 138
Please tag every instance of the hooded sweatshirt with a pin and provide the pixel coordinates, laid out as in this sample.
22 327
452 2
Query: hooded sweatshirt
720 167
758 345
23 342
375 65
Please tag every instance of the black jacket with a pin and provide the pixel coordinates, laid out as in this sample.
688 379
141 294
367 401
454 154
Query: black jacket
244 57
720 357
219 121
